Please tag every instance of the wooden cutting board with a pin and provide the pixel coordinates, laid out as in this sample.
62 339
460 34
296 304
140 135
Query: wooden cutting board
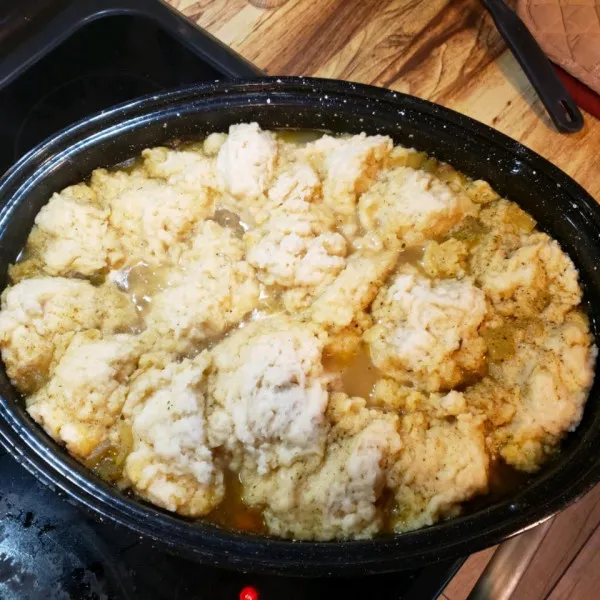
569 33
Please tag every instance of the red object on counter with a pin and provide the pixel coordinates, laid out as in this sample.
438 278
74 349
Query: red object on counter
584 96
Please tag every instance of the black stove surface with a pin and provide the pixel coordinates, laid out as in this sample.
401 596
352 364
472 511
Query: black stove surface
61 60
49 550
135 48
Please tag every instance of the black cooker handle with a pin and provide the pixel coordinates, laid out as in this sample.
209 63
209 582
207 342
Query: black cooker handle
558 102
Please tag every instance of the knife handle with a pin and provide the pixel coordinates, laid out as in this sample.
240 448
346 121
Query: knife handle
558 102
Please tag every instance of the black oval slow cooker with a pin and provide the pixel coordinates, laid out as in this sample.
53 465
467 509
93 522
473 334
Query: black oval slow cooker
561 207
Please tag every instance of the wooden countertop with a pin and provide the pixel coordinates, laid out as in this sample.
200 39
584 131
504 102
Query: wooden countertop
447 51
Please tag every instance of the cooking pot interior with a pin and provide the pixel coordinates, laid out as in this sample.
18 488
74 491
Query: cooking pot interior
560 206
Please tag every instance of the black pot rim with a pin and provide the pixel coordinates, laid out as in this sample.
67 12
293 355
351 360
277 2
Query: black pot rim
205 542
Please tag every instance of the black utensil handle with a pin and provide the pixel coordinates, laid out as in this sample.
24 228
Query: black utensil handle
558 102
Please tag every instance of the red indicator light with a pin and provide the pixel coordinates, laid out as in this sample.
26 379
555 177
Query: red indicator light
249 593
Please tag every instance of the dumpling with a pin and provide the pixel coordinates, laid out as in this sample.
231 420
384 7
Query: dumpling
270 393
72 237
342 302
546 383
152 218
442 463
246 163
427 333
82 402
212 290
406 207
340 496
296 248
526 276
40 315
170 463
190 171
349 166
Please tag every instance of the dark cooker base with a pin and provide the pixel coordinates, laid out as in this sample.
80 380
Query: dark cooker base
49 550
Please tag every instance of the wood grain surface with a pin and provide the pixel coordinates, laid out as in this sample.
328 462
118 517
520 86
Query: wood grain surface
581 580
447 51
461 585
